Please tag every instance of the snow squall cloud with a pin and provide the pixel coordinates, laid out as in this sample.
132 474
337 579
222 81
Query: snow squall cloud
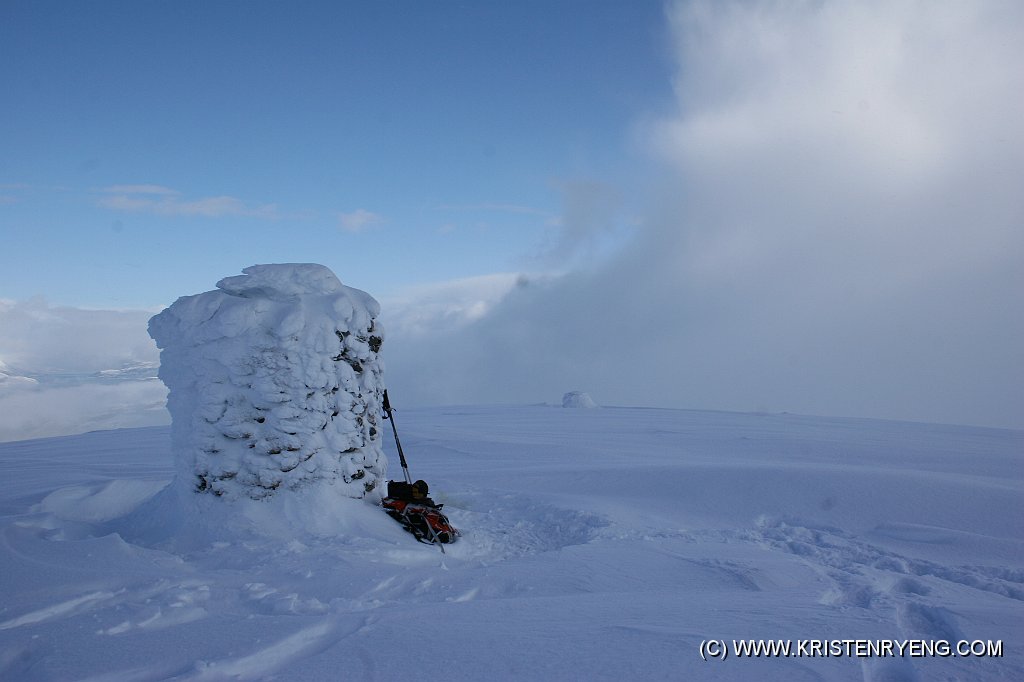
839 231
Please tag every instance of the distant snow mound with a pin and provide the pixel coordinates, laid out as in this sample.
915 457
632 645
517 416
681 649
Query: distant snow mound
578 399
274 383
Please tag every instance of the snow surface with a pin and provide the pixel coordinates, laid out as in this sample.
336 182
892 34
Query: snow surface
274 383
597 544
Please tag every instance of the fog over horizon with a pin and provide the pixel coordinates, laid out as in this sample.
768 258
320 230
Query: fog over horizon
833 226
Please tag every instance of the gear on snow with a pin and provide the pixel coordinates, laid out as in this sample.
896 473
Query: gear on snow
407 502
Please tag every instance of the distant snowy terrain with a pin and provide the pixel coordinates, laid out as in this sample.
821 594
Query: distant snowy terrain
67 370
597 544
50 402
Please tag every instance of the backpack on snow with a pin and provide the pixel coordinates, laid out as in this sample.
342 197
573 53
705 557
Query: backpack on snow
408 504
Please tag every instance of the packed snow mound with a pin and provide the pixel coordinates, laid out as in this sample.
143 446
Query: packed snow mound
282 281
274 383
578 399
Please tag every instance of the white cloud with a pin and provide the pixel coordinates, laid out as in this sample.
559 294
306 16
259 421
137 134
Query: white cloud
485 216
495 207
158 190
358 220
165 201
847 138
13 192
423 309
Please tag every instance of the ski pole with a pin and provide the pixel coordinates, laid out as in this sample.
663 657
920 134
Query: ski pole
394 429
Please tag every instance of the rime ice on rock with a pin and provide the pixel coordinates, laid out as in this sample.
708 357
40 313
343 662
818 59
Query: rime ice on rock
274 383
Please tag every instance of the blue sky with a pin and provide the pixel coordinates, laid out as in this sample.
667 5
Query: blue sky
151 148
744 205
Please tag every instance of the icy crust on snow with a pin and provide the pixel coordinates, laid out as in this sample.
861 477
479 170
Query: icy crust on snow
274 383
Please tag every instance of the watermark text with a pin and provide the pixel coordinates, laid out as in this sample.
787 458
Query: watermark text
720 649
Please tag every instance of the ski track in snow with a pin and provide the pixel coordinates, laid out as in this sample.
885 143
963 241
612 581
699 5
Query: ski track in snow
868 577
63 609
271 659
864 571
596 576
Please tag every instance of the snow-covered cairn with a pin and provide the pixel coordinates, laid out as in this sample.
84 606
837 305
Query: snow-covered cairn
274 383
578 399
